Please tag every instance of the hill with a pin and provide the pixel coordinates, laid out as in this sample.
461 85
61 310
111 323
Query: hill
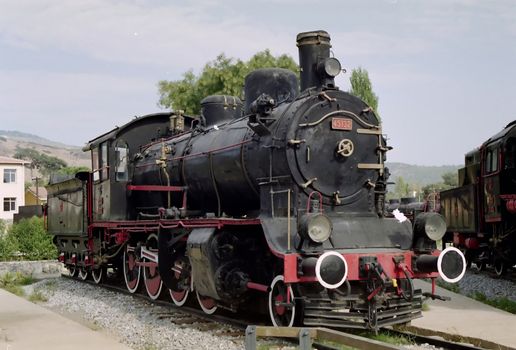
72 155
419 174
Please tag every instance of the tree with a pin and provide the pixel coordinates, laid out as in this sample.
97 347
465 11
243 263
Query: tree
72 170
46 164
402 188
450 179
223 76
361 87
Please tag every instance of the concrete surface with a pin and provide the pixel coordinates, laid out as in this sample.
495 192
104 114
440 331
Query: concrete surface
467 318
27 326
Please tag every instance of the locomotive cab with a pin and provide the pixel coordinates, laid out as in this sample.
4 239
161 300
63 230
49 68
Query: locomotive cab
113 155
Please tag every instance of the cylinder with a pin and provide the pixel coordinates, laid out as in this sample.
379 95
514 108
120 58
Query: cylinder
314 48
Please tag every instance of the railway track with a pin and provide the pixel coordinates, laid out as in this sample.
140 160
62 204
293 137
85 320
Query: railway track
187 314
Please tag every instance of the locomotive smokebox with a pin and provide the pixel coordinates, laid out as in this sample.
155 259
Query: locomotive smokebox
450 264
318 69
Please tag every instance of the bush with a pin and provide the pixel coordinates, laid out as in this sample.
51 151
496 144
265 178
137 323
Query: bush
3 227
27 240
8 248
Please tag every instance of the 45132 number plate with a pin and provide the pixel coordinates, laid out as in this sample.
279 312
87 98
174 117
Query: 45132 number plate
341 124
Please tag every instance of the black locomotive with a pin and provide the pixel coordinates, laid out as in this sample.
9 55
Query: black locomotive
275 204
481 212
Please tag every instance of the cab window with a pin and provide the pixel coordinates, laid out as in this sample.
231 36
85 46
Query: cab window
95 163
103 164
99 160
121 155
491 164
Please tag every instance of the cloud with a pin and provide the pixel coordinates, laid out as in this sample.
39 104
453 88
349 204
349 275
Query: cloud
105 30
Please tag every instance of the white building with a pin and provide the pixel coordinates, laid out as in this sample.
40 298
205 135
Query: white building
12 186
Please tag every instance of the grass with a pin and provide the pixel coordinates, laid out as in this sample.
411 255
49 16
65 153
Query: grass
13 282
388 337
149 346
15 289
425 307
502 303
37 296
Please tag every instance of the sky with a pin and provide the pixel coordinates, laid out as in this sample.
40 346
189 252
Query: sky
444 70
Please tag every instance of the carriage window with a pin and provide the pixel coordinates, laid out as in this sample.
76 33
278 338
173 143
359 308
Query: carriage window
121 154
491 164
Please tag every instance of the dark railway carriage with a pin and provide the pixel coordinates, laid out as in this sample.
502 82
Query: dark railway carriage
481 212
275 205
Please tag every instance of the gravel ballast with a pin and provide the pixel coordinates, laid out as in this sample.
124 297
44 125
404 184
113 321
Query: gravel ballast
135 322
491 287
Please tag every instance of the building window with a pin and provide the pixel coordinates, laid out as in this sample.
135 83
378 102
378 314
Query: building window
9 204
9 176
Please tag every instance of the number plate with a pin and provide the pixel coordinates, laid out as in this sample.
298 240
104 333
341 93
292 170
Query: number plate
341 124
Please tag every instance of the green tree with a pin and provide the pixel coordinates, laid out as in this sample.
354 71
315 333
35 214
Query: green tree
450 178
72 170
45 163
402 188
361 87
223 76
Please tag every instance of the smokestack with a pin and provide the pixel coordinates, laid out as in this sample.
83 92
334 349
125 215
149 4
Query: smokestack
317 68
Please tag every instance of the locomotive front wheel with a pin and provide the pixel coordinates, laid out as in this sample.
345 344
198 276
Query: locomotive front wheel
131 270
282 308
97 274
208 305
153 282
181 278
83 274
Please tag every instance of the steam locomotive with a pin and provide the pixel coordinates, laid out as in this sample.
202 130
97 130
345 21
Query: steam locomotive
274 205
481 211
